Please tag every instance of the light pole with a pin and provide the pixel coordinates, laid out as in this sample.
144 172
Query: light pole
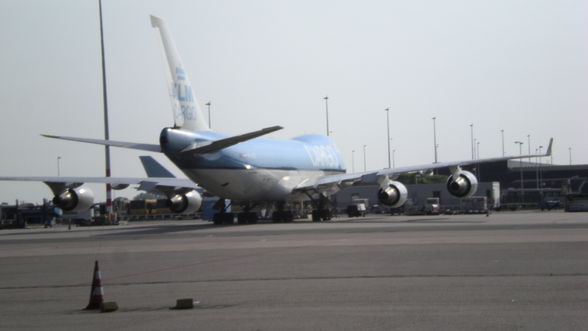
539 179
208 105
388 135
502 134
520 143
570 150
472 136
58 166
353 160
393 158
529 147
435 138
327 112
106 129
477 158
537 168
364 159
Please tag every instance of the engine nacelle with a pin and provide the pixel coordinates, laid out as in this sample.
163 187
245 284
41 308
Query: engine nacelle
74 199
462 184
393 195
185 203
120 186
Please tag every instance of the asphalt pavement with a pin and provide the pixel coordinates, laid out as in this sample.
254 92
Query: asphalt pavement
509 271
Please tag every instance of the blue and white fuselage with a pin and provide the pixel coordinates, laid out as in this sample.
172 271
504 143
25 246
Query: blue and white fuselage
260 169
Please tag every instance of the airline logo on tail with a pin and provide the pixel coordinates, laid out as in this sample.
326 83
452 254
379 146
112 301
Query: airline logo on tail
183 95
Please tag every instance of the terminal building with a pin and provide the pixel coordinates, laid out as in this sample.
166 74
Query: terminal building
529 183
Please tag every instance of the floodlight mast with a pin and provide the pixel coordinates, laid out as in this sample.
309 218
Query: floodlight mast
106 130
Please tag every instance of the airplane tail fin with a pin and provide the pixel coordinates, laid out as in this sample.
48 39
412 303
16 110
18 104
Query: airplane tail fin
187 114
154 168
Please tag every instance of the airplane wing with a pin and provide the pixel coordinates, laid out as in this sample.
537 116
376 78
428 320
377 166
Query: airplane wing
335 182
58 184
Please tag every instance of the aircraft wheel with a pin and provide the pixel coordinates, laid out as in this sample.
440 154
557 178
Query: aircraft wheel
316 217
227 218
242 218
247 218
288 217
276 217
216 219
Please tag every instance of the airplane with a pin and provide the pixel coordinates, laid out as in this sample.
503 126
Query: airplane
247 168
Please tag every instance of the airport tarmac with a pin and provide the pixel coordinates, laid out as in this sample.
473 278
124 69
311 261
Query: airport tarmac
509 271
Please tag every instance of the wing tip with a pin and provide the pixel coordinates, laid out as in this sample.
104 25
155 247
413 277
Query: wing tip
549 147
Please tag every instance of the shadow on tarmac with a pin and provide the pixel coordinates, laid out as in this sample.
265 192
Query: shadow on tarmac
443 220
438 220
160 229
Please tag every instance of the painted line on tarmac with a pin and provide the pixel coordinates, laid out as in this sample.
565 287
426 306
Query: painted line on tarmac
311 278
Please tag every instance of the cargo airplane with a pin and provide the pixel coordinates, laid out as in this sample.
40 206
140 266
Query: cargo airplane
246 168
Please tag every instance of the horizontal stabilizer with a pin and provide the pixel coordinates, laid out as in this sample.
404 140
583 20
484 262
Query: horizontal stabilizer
114 143
213 146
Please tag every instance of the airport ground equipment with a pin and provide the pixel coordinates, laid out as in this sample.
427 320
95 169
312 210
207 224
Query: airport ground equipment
475 205
432 206
357 208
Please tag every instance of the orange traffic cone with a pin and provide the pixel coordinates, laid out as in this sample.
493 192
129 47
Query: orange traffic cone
96 296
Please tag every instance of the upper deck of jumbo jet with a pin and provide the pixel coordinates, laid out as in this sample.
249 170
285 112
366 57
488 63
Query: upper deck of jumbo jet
306 152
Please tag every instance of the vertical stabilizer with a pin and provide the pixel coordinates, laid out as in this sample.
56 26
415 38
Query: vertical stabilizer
187 114
154 168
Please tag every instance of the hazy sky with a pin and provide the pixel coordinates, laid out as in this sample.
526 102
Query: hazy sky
520 66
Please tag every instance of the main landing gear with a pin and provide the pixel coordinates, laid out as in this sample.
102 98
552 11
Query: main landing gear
224 218
282 215
322 211
247 217
319 215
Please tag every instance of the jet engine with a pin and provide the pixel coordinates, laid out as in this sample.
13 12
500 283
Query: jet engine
185 203
74 199
462 184
394 194
120 186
